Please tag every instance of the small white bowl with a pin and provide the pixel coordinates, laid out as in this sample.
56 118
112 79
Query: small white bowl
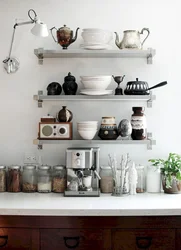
87 135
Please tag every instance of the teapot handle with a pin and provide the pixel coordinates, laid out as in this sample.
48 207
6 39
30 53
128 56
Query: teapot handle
145 29
52 33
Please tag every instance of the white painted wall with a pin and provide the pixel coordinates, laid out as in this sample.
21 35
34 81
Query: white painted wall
19 112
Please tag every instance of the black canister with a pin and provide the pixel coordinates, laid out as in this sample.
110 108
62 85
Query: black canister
70 86
138 123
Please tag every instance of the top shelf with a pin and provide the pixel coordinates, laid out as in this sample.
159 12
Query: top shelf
41 53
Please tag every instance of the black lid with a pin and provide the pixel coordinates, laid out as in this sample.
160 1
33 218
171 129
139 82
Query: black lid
137 81
138 108
69 77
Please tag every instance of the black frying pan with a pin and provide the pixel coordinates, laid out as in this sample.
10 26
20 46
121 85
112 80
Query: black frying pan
140 88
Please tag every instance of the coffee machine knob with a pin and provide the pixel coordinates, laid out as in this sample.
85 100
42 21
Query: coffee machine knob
78 162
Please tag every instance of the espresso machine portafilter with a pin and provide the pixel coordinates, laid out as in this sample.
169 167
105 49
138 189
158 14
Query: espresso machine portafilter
82 166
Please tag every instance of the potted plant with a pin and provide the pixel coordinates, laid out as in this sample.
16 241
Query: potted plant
171 172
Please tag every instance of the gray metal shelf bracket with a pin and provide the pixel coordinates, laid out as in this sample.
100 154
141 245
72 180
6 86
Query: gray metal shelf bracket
40 102
40 56
150 57
150 101
151 142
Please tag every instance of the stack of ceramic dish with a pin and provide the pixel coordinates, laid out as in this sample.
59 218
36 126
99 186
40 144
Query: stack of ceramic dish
87 129
96 85
96 39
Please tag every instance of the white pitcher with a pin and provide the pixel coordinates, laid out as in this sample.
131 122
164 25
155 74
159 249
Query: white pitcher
131 39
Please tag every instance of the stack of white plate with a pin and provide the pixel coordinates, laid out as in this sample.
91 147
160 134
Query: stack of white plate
96 39
87 129
96 85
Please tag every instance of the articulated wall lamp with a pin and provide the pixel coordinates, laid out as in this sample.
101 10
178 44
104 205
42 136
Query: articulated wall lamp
11 64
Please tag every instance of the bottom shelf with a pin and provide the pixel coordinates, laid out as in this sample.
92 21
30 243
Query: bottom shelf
149 142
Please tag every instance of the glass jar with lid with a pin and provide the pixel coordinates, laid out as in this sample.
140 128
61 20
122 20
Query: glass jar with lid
106 182
44 179
14 179
59 179
138 123
29 179
2 178
140 187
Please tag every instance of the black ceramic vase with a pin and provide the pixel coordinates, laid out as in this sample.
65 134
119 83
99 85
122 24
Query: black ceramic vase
70 86
54 88
64 115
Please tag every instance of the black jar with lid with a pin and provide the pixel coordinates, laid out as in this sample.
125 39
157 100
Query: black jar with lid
70 86
138 123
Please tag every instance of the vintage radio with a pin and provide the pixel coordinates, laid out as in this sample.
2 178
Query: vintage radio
55 130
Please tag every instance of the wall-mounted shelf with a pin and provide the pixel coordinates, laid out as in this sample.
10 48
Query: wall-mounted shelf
149 142
41 98
148 54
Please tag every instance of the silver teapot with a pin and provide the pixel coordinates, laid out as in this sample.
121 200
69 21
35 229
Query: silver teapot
64 36
131 39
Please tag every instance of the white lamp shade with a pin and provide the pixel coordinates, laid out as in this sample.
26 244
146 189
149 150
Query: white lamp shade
40 29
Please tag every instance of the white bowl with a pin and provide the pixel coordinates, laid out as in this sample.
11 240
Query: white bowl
87 135
96 78
95 30
88 122
86 127
102 37
94 84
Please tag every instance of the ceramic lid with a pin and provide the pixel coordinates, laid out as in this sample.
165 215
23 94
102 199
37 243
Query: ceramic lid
69 77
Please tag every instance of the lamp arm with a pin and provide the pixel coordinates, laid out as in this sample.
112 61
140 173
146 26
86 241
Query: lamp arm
12 40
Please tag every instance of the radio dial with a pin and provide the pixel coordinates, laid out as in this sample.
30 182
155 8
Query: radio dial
62 130
54 134
54 126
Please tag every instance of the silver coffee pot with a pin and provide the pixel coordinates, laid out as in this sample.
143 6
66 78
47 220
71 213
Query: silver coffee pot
131 39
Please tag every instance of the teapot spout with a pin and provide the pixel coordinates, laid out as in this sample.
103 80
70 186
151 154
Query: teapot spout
75 37
117 39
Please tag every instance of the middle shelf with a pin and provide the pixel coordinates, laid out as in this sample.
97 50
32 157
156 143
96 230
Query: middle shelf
40 98
149 142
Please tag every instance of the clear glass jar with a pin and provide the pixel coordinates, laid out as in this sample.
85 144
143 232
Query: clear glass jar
2 178
29 179
59 179
14 179
44 179
140 186
106 182
153 179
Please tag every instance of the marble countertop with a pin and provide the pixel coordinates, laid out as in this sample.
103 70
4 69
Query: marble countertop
52 204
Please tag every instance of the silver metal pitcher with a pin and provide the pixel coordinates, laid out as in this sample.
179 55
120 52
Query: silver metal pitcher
131 39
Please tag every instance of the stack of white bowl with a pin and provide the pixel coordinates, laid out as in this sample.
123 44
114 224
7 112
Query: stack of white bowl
95 85
87 129
96 38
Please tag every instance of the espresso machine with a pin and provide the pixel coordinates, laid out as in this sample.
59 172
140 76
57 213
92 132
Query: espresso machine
82 166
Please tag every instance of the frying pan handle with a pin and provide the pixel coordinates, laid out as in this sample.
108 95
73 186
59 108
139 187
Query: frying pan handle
158 85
